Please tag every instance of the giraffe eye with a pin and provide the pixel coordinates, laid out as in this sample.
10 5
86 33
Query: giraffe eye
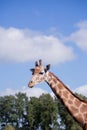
41 73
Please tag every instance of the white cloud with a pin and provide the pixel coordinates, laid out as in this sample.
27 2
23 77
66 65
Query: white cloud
80 36
30 92
82 90
82 24
19 45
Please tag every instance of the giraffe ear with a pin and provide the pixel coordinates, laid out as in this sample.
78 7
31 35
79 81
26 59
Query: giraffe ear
47 68
32 70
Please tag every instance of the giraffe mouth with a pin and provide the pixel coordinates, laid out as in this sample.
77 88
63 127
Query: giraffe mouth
30 85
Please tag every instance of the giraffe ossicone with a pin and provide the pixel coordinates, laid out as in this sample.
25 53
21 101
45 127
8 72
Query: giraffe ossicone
76 107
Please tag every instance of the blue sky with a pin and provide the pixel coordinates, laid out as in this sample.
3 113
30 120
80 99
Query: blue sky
52 30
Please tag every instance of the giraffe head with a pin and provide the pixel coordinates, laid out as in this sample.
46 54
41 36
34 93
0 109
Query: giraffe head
39 74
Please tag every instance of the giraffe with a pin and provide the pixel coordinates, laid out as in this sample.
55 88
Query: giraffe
76 107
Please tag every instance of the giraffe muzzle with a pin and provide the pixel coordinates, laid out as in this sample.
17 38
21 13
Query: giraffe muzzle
30 85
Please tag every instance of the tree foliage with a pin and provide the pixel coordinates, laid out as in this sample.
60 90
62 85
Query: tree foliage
24 113
44 113
50 112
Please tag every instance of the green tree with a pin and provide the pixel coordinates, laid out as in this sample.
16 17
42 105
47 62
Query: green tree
42 112
7 110
28 114
13 110
34 112
49 113
21 109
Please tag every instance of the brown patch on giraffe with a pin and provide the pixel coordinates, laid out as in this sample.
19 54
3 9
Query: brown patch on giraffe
54 80
60 86
50 75
71 96
73 109
77 102
70 101
65 93
60 92
53 86
83 108
49 79
36 70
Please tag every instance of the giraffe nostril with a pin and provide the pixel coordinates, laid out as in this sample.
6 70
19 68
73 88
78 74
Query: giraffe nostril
31 81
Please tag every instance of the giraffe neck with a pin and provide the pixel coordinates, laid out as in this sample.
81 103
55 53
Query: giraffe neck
75 106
